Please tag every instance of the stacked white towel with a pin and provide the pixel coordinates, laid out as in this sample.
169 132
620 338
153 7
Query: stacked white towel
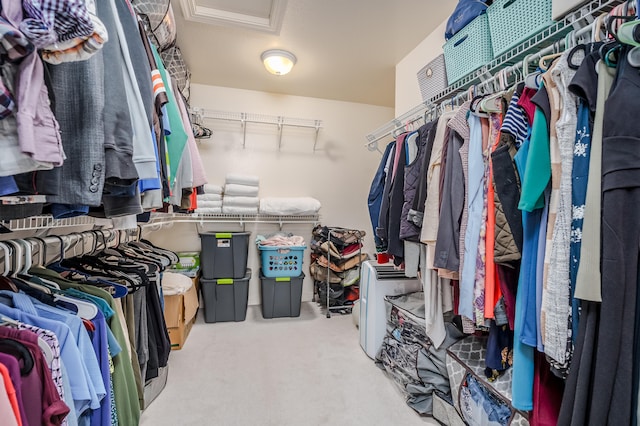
211 200
241 194
212 189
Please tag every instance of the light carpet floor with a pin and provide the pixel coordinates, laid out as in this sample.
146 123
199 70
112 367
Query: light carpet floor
281 372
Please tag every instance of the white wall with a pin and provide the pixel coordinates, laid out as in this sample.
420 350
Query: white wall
338 173
407 89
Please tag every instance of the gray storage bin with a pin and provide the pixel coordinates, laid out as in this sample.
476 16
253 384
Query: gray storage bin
281 296
225 299
432 78
224 254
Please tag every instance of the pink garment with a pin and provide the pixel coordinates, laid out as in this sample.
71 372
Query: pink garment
199 175
525 103
399 144
38 129
7 414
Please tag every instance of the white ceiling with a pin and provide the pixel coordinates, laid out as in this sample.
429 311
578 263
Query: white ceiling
346 49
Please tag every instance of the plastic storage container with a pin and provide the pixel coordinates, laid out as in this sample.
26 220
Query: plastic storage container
432 78
225 299
468 50
281 297
513 21
285 261
224 254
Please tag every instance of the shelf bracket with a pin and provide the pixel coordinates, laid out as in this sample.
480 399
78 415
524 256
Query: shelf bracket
315 142
243 123
280 125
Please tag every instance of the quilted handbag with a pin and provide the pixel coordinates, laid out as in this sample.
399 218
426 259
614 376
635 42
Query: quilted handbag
465 12
159 20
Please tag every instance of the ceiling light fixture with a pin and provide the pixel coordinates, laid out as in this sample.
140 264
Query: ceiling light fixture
277 61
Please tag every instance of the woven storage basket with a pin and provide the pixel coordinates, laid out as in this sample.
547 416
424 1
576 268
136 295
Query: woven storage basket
432 78
468 50
513 21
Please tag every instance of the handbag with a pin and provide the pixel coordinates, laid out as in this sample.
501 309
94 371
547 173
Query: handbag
465 12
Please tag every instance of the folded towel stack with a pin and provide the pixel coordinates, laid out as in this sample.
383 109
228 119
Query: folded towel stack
241 195
211 201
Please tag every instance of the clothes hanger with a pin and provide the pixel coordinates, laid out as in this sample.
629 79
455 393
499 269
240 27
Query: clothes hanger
546 61
24 355
86 310
17 257
44 347
28 256
531 80
629 33
493 103
6 259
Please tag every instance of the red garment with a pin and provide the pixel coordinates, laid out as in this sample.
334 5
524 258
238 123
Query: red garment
455 284
11 392
194 199
350 249
525 103
492 292
547 394
41 400
13 367
88 325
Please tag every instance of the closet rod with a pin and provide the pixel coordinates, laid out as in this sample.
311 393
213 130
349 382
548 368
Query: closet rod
576 21
18 255
243 118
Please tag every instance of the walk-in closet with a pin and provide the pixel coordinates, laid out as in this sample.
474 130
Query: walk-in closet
294 212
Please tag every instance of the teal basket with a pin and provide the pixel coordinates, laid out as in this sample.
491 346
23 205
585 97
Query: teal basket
468 50
513 21
283 261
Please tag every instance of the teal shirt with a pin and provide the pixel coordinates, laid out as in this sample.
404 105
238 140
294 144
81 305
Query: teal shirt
537 173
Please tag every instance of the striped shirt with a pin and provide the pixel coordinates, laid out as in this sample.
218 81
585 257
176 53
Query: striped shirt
515 121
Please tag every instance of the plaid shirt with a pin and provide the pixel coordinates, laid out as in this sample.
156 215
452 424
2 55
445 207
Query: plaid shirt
48 21
13 47
13 44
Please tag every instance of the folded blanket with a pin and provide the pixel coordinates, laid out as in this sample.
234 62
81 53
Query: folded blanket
209 210
280 239
209 204
241 201
212 189
240 210
173 283
289 206
240 190
242 179
210 197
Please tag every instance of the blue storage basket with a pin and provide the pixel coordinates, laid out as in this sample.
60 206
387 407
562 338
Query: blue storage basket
284 261
468 50
513 21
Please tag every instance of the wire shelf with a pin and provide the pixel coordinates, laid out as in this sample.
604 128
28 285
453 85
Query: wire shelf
534 45
45 222
276 120
199 218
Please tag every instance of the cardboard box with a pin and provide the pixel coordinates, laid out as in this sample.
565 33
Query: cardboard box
180 313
